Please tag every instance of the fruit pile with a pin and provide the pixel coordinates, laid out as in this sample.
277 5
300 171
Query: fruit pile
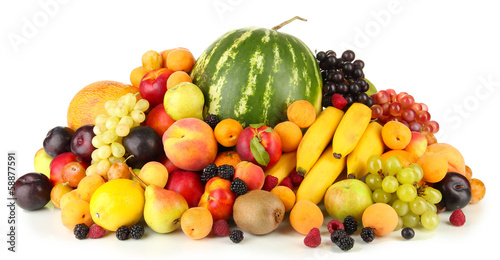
174 150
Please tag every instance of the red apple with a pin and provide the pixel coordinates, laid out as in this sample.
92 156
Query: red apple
259 144
57 164
218 198
159 120
167 163
154 85
188 184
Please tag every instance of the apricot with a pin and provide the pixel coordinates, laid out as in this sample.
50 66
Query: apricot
305 215
406 158
178 77
58 192
196 222
468 172
152 60
68 197
302 113
286 195
180 59
456 162
478 190
381 217
136 76
434 166
227 132
76 212
431 138
164 55
154 173
396 135
290 135
88 185
227 157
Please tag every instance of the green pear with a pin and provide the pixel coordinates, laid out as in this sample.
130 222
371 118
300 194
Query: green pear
372 90
163 209
183 101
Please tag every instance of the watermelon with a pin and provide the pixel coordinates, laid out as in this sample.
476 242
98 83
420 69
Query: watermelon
254 74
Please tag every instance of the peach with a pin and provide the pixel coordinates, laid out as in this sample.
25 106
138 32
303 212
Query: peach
190 144
417 145
396 135
251 174
88 185
381 217
196 222
76 212
435 166
456 162
405 157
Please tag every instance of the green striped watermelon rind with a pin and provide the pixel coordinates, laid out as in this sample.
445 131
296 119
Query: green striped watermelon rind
253 74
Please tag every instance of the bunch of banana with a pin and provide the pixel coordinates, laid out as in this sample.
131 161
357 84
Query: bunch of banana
316 138
284 166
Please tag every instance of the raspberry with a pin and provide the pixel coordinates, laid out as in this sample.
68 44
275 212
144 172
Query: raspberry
334 225
457 218
238 186
226 171
338 101
209 172
81 231
236 236
296 179
313 238
270 182
122 233
220 228
345 243
136 231
350 225
367 234
287 182
96 231
212 120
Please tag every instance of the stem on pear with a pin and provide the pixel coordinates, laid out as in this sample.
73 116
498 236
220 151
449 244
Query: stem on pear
277 27
143 184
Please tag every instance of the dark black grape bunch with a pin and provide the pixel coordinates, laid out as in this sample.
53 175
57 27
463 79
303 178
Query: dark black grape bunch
343 75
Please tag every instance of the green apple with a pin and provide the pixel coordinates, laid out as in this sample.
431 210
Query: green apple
348 197
183 101
42 162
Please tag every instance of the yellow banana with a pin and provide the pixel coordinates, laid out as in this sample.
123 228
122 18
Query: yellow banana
316 138
321 176
284 166
370 143
350 129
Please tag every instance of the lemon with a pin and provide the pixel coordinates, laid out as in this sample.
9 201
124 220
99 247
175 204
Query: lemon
116 203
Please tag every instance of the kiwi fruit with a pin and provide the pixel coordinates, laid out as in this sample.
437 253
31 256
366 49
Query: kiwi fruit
258 212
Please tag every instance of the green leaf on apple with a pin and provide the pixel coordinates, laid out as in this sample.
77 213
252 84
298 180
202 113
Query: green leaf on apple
258 152
256 126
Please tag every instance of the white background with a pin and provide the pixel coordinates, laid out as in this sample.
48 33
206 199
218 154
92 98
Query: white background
443 53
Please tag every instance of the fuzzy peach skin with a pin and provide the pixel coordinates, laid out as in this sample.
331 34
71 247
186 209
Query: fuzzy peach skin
456 162
417 145
251 174
190 144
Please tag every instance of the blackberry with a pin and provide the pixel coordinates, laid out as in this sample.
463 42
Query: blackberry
238 186
136 231
236 236
345 243
337 234
367 234
209 172
350 225
81 231
122 233
212 120
226 171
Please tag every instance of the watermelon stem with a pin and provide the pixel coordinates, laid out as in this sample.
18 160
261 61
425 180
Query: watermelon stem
277 27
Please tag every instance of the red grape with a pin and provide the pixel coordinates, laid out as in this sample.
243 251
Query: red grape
392 94
427 127
401 95
424 107
409 115
415 126
423 116
416 107
395 109
435 126
382 97
407 101
377 111
385 108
